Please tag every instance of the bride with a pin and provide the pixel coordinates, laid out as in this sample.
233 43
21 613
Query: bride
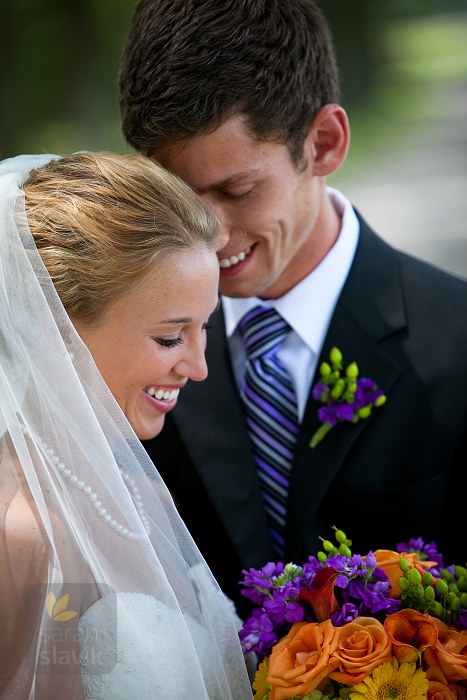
108 275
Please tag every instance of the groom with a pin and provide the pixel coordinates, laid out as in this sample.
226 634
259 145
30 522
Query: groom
242 102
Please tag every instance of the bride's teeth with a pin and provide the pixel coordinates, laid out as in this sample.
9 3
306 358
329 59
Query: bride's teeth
160 394
234 259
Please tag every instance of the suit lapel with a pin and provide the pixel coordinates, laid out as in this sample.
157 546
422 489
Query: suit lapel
369 310
222 456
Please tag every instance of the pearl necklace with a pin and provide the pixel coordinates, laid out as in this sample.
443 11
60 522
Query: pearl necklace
93 497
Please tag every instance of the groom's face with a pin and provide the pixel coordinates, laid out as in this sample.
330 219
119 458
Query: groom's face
269 210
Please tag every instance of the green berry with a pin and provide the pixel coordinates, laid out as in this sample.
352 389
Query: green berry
338 389
322 557
404 564
456 605
462 583
464 600
427 578
345 551
380 401
459 571
324 369
429 594
441 586
414 577
352 371
446 575
335 356
404 585
364 412
449 598
328 546
438 609
341 537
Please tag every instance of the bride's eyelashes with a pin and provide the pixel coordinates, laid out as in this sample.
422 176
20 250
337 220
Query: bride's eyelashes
173 342
169 342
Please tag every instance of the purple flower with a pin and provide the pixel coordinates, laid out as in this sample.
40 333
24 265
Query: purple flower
461 620
367 392
258 634
321 392
425 552
282 607
258 582
372 598
327 415
344 411
310 569
341 581
347 613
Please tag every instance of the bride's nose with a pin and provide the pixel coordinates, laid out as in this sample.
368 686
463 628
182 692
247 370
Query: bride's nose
193 363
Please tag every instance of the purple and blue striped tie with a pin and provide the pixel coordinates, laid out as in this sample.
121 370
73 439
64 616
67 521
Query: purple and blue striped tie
270 407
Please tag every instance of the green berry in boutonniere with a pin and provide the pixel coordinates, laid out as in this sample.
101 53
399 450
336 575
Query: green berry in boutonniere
346 397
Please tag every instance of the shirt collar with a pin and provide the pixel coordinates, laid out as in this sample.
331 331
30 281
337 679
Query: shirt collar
321 287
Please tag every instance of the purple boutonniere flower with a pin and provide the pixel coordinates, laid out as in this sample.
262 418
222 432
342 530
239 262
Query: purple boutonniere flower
346 396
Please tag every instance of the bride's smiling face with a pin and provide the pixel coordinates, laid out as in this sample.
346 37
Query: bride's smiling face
152 340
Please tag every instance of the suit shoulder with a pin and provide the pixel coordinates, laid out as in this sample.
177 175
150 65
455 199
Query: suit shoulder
419 276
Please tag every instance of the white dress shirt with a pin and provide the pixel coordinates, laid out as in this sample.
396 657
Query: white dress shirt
315 297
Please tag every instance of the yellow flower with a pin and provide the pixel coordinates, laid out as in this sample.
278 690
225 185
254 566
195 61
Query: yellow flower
260 684
392 682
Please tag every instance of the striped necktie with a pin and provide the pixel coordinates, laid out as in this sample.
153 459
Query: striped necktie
270 408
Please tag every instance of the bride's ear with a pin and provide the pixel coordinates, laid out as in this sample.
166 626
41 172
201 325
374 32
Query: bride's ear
328 139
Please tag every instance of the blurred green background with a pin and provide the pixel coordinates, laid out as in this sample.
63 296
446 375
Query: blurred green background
404 83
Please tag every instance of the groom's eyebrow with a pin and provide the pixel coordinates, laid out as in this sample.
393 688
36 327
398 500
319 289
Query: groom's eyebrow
236 179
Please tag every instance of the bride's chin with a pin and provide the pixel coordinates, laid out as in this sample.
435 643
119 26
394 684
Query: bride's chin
149 431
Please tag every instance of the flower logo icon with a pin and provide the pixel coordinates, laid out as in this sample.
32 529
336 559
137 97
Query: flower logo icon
57 609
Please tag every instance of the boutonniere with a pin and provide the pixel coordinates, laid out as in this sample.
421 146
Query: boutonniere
346 396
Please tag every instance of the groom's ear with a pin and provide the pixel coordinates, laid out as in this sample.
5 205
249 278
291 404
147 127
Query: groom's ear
327 142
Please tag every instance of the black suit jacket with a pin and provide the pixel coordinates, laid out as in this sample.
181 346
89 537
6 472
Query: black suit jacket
399 474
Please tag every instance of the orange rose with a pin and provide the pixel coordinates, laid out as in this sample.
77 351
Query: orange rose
440 689
388 560
410 632
301 659
449 653
359 646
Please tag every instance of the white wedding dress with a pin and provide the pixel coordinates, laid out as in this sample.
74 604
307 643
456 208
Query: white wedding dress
134 646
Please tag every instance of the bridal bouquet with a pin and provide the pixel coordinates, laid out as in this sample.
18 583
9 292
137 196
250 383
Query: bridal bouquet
390 625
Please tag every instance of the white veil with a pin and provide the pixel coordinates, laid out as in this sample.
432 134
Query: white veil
85 517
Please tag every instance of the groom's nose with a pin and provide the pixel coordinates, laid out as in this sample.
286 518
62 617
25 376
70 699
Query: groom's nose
225 237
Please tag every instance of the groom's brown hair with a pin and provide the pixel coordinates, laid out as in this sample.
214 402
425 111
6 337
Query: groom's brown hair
189 65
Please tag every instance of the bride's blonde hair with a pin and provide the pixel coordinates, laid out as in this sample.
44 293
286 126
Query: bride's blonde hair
101 220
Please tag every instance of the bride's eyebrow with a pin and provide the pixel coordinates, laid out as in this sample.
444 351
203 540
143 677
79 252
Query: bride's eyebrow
176 321
185 319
